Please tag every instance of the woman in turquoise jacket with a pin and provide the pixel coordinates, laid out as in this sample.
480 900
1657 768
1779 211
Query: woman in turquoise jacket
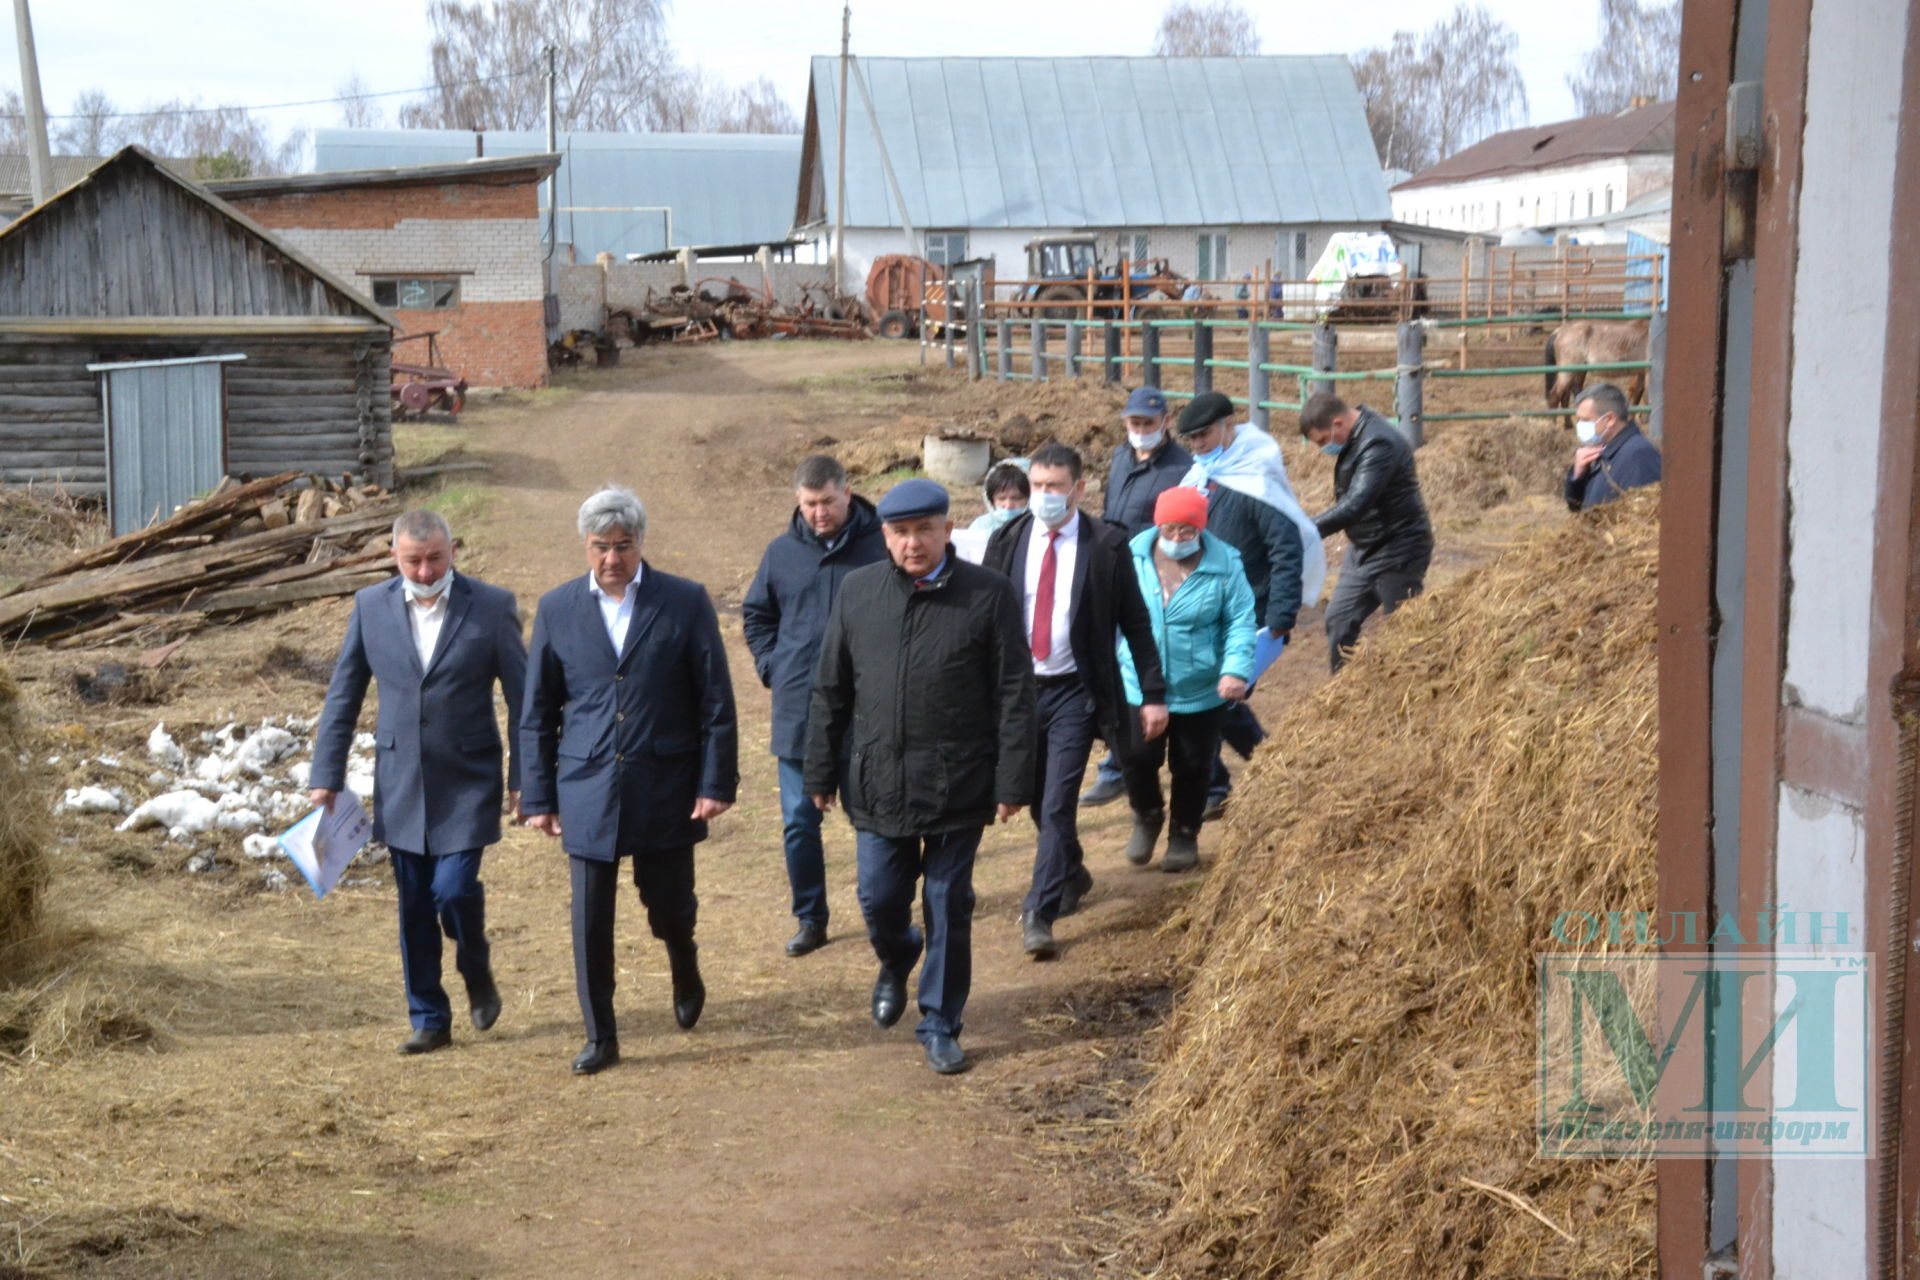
1203 624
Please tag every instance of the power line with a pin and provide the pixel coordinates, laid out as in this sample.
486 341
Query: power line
276 106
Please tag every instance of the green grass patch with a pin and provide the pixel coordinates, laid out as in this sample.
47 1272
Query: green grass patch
459 503
415 444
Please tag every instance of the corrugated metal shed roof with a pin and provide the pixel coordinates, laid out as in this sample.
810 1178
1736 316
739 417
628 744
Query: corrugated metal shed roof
722 188
1639 130
1098 142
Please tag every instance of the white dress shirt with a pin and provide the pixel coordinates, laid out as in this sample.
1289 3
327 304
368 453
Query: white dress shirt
1059 662
426 618
617 614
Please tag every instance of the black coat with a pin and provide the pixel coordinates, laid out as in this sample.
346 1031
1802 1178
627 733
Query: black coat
786 609
1377 501
1270 549
621 745
1132 485
1629 461
923 713
1106 602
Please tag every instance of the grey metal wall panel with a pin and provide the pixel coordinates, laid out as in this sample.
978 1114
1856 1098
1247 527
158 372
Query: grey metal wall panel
166 438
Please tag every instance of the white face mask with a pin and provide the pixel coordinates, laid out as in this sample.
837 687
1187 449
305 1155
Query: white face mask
1050 509
1588 431
1144 442
430 591
1179 550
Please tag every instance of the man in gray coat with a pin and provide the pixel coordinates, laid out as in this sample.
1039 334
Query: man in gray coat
438 642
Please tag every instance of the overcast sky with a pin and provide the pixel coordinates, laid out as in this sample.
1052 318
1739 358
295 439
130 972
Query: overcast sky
253 52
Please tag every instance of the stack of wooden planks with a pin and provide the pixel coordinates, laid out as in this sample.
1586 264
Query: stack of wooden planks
245 548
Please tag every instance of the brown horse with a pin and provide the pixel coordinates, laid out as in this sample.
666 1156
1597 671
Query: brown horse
1581 342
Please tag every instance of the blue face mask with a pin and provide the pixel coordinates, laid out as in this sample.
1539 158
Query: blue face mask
1211 456
1050 509
1332 448
1179 550
1002 516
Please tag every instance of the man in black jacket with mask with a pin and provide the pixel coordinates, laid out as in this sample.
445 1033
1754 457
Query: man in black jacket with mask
833 532
1377 504
1077 586
922 721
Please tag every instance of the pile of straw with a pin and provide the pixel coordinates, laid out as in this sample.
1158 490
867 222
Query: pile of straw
23 865
1472 467
1347 1089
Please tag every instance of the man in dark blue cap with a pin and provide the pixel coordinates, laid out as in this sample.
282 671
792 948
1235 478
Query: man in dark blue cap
922 721
1143 468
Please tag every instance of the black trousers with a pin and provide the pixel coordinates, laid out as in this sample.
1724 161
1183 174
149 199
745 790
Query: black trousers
1368 582
1188 748
1067 730
665 880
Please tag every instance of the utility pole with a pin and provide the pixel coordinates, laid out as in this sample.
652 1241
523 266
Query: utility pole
840 154
553 145
39 163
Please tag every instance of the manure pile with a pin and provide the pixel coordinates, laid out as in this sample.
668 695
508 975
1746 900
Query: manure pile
1355 1049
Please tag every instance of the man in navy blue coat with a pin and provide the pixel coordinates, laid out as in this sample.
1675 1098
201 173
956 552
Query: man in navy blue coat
631 747
1613 456
833 532
437 642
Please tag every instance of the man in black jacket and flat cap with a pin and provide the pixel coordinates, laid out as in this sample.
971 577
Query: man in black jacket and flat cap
923 721
1377 504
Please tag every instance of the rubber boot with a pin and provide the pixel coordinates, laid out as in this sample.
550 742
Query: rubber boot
689 992
1183 850
1146 833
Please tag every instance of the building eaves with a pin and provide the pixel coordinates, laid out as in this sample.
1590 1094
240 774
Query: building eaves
492 171
1644 130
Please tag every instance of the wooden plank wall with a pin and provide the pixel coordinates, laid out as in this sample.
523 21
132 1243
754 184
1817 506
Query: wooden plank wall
304 403
130 242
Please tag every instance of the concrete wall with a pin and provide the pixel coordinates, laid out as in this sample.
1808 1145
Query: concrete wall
485 235
1854 76
587 290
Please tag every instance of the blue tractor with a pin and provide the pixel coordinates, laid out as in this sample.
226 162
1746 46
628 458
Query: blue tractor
1059 268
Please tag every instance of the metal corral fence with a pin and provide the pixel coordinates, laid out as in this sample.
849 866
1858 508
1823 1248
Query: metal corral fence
1032 347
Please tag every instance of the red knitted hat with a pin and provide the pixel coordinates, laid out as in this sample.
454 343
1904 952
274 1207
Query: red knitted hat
1181 505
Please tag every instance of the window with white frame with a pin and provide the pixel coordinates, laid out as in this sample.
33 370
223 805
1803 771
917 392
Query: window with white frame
1210 256
944 248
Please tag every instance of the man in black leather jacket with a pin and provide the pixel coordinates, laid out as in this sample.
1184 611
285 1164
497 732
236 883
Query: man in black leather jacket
1377 504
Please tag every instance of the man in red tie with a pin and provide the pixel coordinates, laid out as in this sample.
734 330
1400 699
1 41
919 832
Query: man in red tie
1078 589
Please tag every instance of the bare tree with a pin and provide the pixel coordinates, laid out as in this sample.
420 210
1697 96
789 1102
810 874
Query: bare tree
488 72
1220 28
13 123
358 108
1638 57
1432 94
222 142
90 129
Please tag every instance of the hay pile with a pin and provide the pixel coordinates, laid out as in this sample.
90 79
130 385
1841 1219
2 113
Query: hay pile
23 866
1467 468
1357 1041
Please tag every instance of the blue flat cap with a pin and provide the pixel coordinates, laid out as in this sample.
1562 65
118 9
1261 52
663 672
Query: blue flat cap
1145 402
911 499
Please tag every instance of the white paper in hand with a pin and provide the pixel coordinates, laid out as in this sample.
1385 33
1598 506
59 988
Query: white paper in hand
324 842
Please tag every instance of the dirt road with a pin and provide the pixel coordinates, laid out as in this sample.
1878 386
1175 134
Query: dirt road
274 1131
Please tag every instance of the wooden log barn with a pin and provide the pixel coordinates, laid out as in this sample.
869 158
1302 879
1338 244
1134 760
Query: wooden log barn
154 339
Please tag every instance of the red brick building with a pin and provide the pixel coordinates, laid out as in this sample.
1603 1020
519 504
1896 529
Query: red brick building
450 249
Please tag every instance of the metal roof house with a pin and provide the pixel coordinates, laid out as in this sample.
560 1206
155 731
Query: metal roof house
1546 176
1221 165
620 193
152 339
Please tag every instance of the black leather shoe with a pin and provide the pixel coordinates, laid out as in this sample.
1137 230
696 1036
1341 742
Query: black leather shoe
811 937
426 1040
483 1000
889 997
596 1057
1079 884
945 1055
1036 935
689 992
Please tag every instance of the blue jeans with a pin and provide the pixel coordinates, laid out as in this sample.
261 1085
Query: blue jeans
889 866
439 893
806 860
